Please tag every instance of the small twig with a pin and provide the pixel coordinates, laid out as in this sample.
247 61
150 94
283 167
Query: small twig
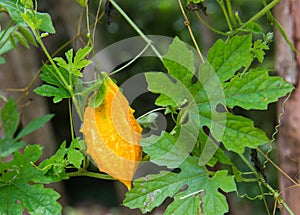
188 24
136 28
277 167
84 172
131 61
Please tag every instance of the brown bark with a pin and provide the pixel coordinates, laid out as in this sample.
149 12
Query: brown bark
287 65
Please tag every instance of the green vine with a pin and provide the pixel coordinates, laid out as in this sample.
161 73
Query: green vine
226 78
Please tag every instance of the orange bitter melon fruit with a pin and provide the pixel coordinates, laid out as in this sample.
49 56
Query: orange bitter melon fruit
113 135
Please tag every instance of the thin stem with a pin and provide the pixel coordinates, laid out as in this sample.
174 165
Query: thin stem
210 27
71 118
249 180
136 28
187 23
231 15
264 199
4 33
130 62
274 192
62 78
273 20
249 165
149 112
261 13
221 3
84 172
288 208
88 24
277 167
97 16
58 50
67 86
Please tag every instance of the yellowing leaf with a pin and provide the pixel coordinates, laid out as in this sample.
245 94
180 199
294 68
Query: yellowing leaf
112 135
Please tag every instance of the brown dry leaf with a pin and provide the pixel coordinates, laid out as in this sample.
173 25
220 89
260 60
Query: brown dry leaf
112 135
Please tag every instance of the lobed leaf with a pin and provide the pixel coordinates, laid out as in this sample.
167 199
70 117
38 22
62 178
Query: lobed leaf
152 190
188 205
258 50
198 96
9 146
74 65
255 90
10 118
34 125
228 57
241 133
18 190
49 75
49 91
74 154
16 10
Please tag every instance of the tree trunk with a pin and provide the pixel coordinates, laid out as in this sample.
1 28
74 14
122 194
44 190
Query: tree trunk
287 65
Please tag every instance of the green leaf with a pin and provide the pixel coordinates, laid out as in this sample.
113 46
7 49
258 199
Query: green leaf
49 91
27 34
240 132
194 1
148 121
13 41
69 56
5 44
75 156
21 38
81 64
99 96
172 94
10 118
258 50
207 92
81 54
152 190
19 190
34 125
30 18
27 3
83 3
59 89
16 12
54 167
254 28
188 205
228 57
46 24
179 55
160 157
213 201
61 62
255 90
196 100
49 75
9 146
74 66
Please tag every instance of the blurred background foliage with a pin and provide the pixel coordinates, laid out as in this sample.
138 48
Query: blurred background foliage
159 17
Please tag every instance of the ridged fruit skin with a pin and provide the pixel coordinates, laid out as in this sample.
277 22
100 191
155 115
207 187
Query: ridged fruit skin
113 135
